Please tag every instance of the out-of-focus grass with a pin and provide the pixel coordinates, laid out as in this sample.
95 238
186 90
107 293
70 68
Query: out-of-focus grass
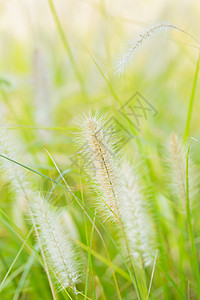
163 73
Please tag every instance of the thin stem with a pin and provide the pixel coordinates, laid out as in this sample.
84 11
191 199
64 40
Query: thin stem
153 270
67 48
14 261
90 260
187 126
190 228
132 264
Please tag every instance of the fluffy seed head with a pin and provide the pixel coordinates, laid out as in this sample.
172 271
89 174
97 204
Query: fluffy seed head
16 175
98 151
128 57
58 248
177 164
136 217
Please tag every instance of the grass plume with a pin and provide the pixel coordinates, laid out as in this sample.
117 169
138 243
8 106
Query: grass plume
101 164
128 58
177 163
135 217
58 247
17 177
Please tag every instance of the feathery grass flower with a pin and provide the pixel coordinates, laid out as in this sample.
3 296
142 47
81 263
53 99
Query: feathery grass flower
177 165
135 216
13 173
177 160
127 59
58 248
98 146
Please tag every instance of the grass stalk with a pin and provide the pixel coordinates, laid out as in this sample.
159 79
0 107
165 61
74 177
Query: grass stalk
14 261
190 228
191 103
67 48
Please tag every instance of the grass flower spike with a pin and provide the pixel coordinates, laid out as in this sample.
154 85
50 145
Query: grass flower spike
177 164
136 218
15 175
128 58
58 248
98 146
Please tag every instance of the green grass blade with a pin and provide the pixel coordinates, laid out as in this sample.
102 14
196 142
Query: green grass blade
14 261
25 273
104 260
191 103
67 48
190 228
